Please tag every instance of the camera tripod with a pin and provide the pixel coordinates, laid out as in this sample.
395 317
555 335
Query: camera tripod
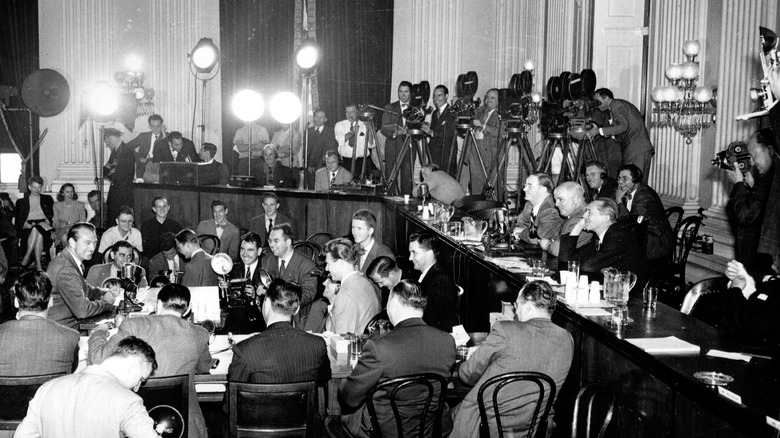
466 130
585 153
513 135
416 145
367 118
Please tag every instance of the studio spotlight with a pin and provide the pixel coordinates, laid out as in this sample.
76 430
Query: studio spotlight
205 55
308 56
285 107
103 99
248 105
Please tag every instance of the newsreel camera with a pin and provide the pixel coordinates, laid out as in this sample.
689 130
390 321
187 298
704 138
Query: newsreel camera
462 108
734 157
418 108
769 59
569 107
519 106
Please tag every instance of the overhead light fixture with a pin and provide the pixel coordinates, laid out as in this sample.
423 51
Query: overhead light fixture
308 56
205 55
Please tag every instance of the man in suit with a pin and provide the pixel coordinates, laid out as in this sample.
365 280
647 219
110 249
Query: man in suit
363 228
73 299
531 343
613 244
123 253
442 187
539 218
123 230
181 346
211 171
153 229
220 227
271 172
394 129
175 147
442 293
352 135
197 272
332 174
168 260
412 347
319 140
637 199
271 216
600 184
442 133
628 126
486 131
570 202
31 345
286 263
249 318
99 401
143 143
120 169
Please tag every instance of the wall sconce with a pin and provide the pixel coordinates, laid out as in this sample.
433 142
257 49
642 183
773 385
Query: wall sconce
684 105
132 82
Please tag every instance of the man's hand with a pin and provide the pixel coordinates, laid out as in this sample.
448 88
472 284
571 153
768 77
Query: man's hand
593 131
545 243
477 124
516 232
749 180
735 271
109 296
251 291
619 193
578 227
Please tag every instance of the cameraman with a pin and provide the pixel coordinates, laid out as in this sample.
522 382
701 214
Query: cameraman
486 132
249 318
748 201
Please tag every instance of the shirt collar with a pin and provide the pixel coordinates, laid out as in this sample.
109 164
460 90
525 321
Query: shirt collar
424 272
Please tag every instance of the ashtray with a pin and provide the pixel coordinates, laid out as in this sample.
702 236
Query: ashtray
713 378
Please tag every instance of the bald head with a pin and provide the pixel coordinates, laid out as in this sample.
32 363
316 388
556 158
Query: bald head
569 196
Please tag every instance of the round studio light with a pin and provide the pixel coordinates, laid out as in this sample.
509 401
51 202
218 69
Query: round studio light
285 107
133 62
205 55
308 55
103 99
248 105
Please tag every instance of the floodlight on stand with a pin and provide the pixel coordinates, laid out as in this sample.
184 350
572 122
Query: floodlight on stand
307 56
205 55
285 107
248 105
103 99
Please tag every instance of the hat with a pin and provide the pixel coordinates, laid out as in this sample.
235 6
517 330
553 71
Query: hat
112 131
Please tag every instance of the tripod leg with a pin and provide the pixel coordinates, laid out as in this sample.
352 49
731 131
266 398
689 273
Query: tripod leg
453 154
464 154
392 183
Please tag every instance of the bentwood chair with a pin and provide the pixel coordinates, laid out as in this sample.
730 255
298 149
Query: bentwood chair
677 213
597 398
544 384
320 238
416 402
108 256
209 243
15 395
309 249
167 400
288 410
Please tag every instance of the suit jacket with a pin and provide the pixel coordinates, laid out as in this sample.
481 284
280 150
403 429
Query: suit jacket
214 173
22 210
620 249
180 348
566 228
646 202
198 272
282 177
354 305
72 298
535 345
319 143
248 319
754 319
152 230
411 348
490 130
746 209
322 178
298 270
442 308
280 354
120 170
548 221
98 273
141 145
608 189
258 224
770 229
162 152
440 145
628 127
158 263
55 349
229 241
377 250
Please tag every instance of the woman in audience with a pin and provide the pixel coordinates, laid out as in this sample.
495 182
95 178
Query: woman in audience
34 217
67 211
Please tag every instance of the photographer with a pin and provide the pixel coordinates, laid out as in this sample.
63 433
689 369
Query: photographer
486 131
748 201
769 242
247 319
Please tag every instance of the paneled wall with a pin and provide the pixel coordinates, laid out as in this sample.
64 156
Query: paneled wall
88 40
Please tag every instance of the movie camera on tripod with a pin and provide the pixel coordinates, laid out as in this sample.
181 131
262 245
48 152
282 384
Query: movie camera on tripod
568 108
418 108
769 59
519 104
734 157
462 108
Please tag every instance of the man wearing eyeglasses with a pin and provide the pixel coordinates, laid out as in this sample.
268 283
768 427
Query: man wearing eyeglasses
123 253
539 218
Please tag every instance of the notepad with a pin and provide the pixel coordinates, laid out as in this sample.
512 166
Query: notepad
667 345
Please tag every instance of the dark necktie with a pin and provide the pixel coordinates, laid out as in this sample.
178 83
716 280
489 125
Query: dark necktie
281 269
83 273
332 178
627 197
598 244
270 224
248 273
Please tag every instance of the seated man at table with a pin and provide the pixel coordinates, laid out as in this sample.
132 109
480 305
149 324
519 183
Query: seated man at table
168 260
123 230
570 201
220 226
539 218
532 343
31 345
154 228
440 289
211 171
181 346
412 347
271 216
441 185
613 244
123 253
332 174
272 172
600 184
99 401
248 319
73 299
197 272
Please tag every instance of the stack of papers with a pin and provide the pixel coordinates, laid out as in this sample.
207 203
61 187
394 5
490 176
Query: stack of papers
667 345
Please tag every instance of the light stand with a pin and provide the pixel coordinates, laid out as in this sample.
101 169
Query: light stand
203 60
248 106
103 103
306 57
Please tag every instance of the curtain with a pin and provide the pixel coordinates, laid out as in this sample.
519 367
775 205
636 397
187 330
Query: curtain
18 58
356 37
257 38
